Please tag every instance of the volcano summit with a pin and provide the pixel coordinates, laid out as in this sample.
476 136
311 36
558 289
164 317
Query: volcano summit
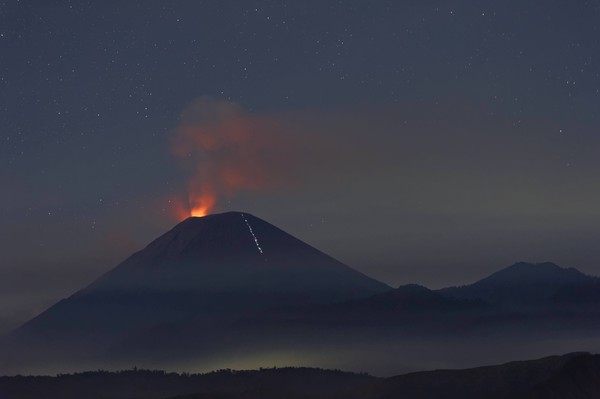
235 253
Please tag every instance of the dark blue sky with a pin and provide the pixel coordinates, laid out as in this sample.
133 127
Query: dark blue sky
431 142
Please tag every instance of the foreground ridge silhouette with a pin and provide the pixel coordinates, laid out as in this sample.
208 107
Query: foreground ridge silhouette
573 376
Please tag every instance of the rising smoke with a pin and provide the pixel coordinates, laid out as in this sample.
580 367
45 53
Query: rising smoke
225 150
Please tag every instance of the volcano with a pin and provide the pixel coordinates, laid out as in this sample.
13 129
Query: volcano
235 252
206 271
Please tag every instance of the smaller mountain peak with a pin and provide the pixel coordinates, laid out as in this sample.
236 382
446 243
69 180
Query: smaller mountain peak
542 273
538 265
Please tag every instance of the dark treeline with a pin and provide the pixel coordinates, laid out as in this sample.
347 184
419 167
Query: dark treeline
150 384
572 376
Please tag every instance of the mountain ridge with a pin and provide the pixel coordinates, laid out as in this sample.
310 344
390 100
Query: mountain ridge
521 284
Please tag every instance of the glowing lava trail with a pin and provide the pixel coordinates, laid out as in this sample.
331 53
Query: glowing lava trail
251 232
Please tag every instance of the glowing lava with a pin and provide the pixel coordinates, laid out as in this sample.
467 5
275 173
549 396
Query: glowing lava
198 212
201 206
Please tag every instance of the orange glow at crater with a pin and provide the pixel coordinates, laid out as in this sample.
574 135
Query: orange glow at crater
202 206
198 212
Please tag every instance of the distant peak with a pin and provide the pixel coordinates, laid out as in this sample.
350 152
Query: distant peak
537 265
544 272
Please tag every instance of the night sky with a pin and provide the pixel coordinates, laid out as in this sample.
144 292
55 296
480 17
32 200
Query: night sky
426 141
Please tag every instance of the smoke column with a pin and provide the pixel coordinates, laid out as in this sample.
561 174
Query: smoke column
225 150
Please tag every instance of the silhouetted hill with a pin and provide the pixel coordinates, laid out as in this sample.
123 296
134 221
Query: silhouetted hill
569 376
521 285
535 273
412 298
579 378
572 376
413 307
582 294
